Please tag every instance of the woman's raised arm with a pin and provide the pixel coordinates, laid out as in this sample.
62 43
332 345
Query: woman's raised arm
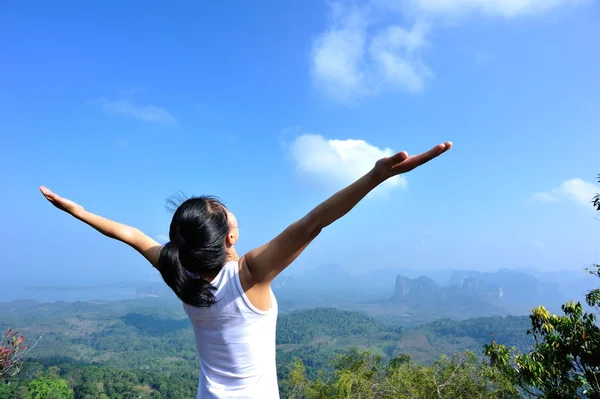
131 236
267 261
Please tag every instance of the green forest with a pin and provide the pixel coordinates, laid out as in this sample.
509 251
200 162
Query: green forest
89 350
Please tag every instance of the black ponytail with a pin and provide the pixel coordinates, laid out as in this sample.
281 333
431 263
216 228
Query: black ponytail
196 249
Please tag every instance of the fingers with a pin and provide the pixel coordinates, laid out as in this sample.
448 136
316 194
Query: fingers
398 157
432 153
48 194
414 161
46 191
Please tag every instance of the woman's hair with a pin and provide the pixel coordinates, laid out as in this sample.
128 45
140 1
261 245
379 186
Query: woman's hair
196 248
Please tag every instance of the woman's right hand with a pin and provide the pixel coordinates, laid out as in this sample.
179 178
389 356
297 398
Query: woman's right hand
401 162
61 203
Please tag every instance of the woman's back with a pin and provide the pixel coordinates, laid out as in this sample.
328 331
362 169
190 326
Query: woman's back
235 341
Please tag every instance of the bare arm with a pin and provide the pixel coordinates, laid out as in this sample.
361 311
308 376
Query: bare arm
131 236
267 261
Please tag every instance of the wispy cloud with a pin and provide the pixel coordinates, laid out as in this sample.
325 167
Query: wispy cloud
543 197
361 54
148 113
349 62
576 190
504 8
336 163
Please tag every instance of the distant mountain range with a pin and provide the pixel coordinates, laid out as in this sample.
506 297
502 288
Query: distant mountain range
518 291
451 292
396 294
424 297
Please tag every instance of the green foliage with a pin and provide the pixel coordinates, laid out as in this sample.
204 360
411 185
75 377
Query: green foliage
302 326
153 324
50 388
503 329
94 381
14 391
363 375
565 360
316 358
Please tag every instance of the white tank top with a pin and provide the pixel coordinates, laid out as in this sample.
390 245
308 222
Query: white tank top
236 342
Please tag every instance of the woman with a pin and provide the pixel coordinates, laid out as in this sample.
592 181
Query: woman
228 298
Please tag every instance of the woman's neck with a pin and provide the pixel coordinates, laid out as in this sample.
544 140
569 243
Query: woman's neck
232 254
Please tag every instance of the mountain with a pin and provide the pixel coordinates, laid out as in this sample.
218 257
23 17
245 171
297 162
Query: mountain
573 284
423 296
386 292
422 289
383 276
518 290
478 288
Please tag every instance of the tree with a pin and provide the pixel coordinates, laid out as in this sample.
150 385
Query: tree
565 360
50 388
362 375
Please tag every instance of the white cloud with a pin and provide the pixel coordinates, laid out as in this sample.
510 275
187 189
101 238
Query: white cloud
576 190
148 113
504 8
337 163
338 55
544 197
358 55
395 52
349 61
538 243
579 190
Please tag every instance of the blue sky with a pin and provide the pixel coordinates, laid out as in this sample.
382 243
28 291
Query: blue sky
117 105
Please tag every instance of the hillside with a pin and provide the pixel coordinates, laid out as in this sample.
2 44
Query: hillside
303 326
149 345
